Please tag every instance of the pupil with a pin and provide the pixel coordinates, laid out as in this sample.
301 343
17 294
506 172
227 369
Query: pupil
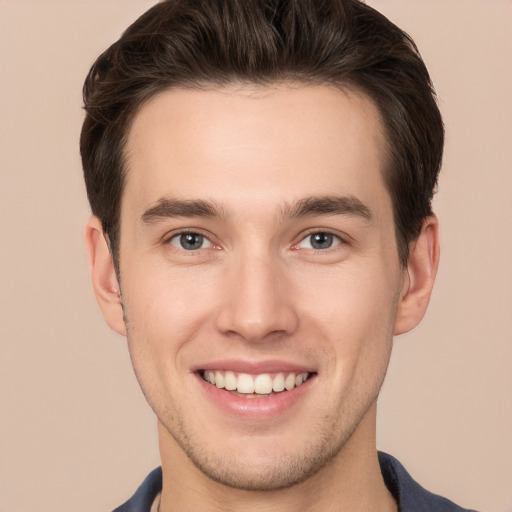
321 240
190 241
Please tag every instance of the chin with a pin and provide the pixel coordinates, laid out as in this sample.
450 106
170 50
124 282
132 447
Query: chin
264 467
271 475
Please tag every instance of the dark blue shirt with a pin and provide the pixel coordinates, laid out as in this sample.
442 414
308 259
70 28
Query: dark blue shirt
409 495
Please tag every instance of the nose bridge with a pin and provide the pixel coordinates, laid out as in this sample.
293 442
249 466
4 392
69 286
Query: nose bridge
257 299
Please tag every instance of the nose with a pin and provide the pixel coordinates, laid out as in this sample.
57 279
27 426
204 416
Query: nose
258 300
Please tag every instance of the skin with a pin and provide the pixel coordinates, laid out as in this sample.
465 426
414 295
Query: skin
256 290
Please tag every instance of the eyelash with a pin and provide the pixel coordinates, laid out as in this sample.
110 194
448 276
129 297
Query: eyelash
179 235
337 240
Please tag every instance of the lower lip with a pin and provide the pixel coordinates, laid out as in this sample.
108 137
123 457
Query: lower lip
255 408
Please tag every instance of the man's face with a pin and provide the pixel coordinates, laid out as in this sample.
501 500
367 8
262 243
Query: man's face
258 248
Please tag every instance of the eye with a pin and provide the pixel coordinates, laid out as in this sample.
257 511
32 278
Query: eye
190 241
319 241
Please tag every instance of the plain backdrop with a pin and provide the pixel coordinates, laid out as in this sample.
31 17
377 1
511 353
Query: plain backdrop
76 433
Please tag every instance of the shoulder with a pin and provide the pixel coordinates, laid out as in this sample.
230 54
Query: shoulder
411 496
143 498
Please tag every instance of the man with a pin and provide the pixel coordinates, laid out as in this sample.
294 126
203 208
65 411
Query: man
260 176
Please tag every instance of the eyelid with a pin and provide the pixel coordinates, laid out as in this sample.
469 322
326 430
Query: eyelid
177 237
168 237
342 239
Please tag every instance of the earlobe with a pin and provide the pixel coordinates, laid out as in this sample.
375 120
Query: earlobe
104 279
419 277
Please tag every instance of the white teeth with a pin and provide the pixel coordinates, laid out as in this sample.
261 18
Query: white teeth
278 383
299 379
245 383
230 381
262 384
289 383
219 380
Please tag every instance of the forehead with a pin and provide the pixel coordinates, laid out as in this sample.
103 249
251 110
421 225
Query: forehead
242 145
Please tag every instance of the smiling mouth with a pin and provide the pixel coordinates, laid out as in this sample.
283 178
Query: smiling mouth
254 386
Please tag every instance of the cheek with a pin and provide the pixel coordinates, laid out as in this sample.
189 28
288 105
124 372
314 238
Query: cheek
164 314
167 298
353 311
349 299
165 311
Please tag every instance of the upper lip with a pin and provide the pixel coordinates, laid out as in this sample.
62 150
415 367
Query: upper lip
254 367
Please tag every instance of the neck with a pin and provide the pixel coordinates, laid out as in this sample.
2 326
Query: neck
350 481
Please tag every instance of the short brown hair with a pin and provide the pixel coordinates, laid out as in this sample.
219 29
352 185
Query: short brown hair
196 43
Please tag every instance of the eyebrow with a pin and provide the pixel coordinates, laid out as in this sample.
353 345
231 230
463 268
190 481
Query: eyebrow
308 206
326 205
170 208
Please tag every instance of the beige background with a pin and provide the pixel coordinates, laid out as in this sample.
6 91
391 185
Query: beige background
75 431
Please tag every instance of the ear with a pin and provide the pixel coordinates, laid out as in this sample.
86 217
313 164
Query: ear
104 279
418 277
